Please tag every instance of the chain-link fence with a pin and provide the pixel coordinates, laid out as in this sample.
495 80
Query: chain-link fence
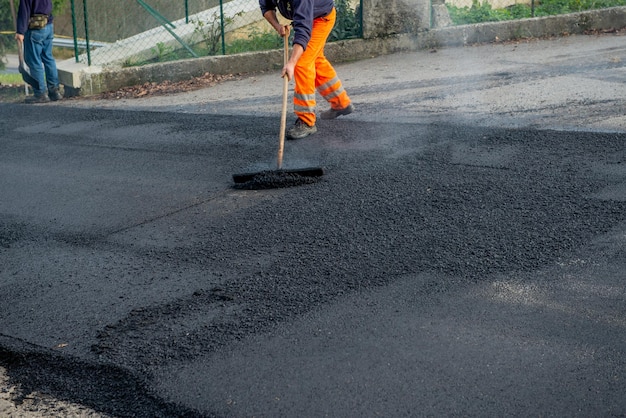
135 32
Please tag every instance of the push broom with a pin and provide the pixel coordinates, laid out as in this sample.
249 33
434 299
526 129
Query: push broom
280 177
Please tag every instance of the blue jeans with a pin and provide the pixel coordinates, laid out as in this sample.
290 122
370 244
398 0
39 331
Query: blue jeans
38 57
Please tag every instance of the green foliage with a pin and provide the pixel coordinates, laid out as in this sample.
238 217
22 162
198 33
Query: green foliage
161 50
348 23
257 41
519 11
6 20
477 13
6 25
483 12
211 33
58 6
13 78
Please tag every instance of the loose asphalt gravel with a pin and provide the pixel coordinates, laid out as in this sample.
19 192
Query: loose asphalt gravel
464 253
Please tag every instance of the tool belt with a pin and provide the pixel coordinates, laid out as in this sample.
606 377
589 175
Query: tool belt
38 22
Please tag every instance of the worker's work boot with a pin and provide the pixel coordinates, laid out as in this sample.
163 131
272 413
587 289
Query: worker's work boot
335 113
54 94
300 130
37 98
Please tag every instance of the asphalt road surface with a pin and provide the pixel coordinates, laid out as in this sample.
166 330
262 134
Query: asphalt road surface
463 255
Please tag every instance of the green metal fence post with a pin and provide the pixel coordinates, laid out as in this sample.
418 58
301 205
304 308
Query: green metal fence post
158 16
166 25
87 32
74 31
186 11
361 18
222 27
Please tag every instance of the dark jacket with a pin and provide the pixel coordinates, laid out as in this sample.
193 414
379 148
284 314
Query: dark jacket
301 12
29 8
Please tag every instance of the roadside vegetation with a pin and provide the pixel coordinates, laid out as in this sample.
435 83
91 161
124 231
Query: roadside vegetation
347 26
13 78
480 12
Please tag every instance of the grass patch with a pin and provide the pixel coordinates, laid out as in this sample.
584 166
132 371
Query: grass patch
11 79
257 41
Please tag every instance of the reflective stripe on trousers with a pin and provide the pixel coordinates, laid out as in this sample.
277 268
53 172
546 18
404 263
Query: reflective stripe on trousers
314 72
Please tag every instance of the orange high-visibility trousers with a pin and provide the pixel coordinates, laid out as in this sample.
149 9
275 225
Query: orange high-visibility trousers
314 73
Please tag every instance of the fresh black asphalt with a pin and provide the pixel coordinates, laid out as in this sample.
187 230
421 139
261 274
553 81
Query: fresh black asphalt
436 269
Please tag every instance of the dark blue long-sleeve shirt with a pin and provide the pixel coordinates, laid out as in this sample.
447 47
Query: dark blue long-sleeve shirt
301 12
29 8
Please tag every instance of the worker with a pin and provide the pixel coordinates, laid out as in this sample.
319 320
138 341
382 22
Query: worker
312 21
35 31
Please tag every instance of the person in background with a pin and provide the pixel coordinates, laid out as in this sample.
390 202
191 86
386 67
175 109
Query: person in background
312 21
36 31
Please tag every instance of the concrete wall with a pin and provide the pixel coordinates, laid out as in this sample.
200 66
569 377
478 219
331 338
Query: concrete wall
389 17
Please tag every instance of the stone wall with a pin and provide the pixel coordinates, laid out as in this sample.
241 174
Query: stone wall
389 17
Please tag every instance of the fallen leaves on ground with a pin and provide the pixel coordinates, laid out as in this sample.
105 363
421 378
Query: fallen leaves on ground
165 87
612 31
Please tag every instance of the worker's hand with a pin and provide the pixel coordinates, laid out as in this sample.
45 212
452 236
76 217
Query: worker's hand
289 68
283 31
288 71
19 37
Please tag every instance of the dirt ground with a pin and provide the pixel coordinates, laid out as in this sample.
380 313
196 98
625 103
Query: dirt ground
14 404
164 88
15 93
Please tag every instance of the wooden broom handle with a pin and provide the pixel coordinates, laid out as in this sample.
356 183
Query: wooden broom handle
20 51
283 116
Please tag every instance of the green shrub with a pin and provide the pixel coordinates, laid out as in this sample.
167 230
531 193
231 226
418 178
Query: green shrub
257 41
477 13
483 12
348 23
